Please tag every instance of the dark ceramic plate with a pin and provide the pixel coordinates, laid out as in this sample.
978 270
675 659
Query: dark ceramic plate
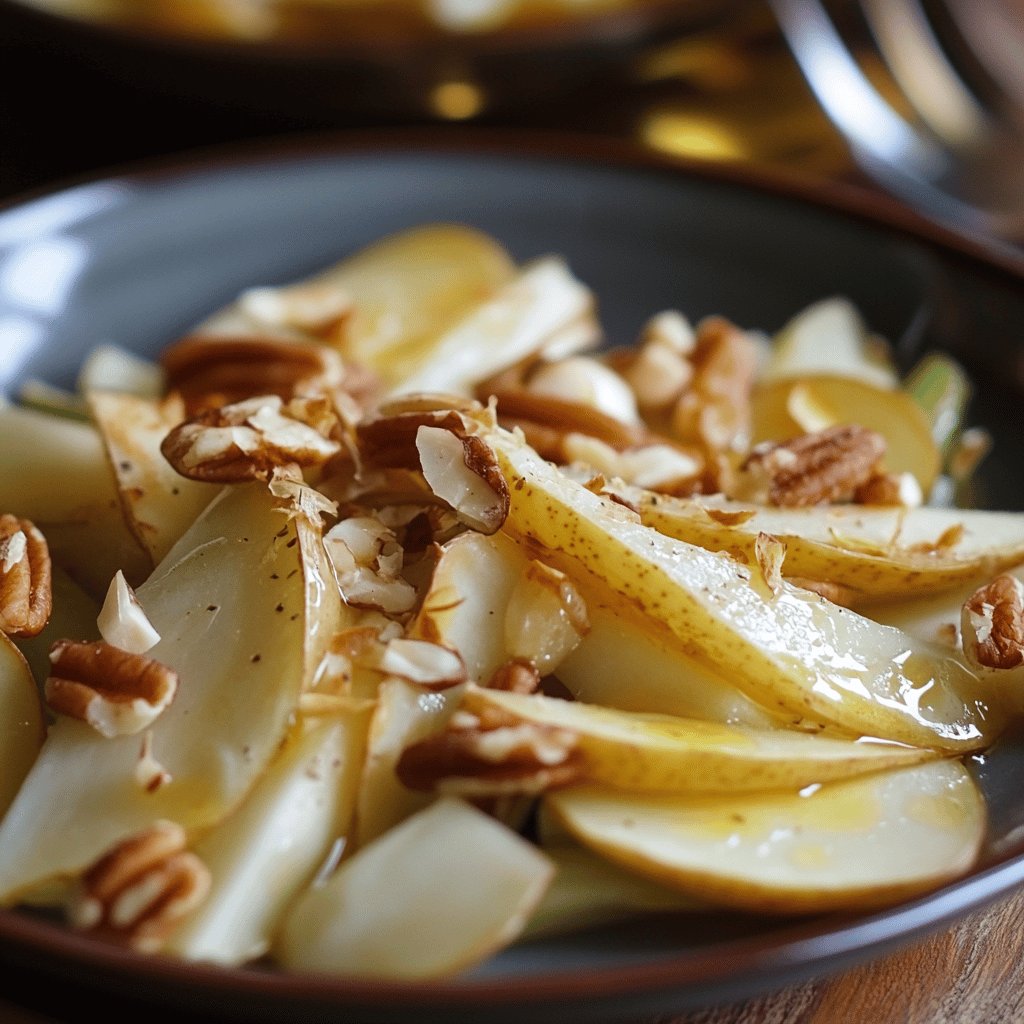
137 258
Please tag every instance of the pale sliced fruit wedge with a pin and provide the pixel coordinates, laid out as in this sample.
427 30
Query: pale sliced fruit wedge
589 890
159 504
624 663
828 337
848 845
111 368
229 603
268 851
523 318
74 615
788 649
438 893
876 552
405 714
648 753
22 727
788 408
465 604
81 517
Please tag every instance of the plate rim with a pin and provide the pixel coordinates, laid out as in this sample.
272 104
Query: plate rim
695 977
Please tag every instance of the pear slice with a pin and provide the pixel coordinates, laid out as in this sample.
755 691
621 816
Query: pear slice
268 851
81 518
159 504
21 721
624 663
405 714
876 552
465 604
230 605
589 890
788 649
438 893
647 753
787 408
847 845
519 321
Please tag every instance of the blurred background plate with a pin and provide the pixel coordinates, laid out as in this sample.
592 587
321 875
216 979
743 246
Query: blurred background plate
137 258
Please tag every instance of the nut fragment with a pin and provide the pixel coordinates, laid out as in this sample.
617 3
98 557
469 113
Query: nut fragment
213 371
992 624
515 676
492 754
900 489
825 466
424 663
137 892
248 440
367 561
114 691
463 472
122 622
26 589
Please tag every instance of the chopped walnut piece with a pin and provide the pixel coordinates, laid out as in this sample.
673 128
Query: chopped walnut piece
729 517
114 691
210 372
122 622
901 489
585 385
314 307
26 587
714 412
491 755
658 368
823 467
992 624
516 676
248 440
770 553
424 663
137 892
367 561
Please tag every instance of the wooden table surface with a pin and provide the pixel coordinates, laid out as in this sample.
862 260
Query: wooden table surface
972 973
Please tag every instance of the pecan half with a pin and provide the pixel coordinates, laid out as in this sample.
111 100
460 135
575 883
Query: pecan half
26 587
248 440
492 754
114 691
992 624
213 371
822 467
137 892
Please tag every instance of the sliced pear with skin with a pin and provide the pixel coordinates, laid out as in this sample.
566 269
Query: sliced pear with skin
159 505
589 890
786 409
405 714
438 893
269 850
229 605
849 845
54 471
876 552
647 753
519 321
22 726
789 650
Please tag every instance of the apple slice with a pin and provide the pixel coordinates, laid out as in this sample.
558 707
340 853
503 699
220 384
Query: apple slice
159 505
268 851
847 845
786 648
438 893
876 552
647 753
21 721
230 605
787 408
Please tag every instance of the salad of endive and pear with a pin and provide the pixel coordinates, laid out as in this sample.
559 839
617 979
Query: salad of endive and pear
395 616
